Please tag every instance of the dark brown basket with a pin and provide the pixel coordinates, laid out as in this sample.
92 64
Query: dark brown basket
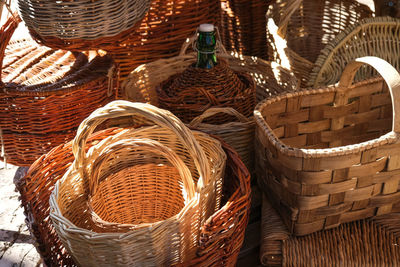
221 236
45 94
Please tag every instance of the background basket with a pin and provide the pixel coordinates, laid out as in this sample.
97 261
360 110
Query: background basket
242 24
379 36
81 25
328 155
45 94
217 246
370 242
305 27
239 133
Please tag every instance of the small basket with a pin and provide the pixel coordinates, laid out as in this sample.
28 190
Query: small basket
45 94
81 25
331 155
70 210
305 27
377 37
239 133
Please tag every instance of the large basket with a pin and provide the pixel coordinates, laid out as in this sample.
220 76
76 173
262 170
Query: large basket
239 133
328 156
70 209
270 78
379 36
305 27
81 25
221 235
162 31
242 24
45 94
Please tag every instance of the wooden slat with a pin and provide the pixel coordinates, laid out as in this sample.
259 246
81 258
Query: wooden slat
331 112
296 141
314 127
365 89
317 99
362 117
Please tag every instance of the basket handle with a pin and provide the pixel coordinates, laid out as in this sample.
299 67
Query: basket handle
160 117
213 111
388 73
150 145
6 32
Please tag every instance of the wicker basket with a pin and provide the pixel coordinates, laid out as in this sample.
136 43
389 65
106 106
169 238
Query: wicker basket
242 24
70 209
162 31
328 155
371 242
379 36
81 25
217 246
45 94
239 133
270 78
305 27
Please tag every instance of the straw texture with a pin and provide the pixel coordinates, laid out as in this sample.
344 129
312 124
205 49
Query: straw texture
370 37
305 27
371 242
238 133
330 155
46 92
81 25
216 245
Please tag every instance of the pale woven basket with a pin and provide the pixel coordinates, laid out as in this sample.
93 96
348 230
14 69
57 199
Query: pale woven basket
331 155
125 244
239 133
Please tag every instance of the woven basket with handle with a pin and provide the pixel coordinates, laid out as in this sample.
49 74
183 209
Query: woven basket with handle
77 197
81 25
297 30
45 94
331 155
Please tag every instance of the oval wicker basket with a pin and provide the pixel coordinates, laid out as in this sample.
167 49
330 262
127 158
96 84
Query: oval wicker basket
328 155
69 207
45 94
365 38
239 133
298 30
81 25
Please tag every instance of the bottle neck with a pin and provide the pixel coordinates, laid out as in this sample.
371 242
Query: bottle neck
206 54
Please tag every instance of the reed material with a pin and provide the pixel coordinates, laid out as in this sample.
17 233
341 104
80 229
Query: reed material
371 242
46 92
377 36
298 30
216 245
82 25
330 155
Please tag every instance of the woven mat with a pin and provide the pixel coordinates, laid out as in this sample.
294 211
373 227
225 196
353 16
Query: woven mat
371 242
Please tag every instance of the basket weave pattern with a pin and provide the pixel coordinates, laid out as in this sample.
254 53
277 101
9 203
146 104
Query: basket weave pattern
328 155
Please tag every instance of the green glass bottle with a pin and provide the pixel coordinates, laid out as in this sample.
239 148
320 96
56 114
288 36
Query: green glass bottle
206 44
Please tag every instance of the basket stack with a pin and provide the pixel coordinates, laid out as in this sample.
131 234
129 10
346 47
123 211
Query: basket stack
298 30
45 94
81 25
329 156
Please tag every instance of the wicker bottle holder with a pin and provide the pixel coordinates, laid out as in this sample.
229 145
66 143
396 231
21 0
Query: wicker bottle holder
45 94
69 208
238 133
317 154
82 25
305 27
361 39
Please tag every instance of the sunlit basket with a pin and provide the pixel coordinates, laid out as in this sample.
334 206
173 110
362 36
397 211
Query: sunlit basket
242 26
379 36
70 209
81 25
331 155
239 133
221 235
298 30
45 94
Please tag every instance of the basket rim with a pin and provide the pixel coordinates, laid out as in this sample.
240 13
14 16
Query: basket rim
388 138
